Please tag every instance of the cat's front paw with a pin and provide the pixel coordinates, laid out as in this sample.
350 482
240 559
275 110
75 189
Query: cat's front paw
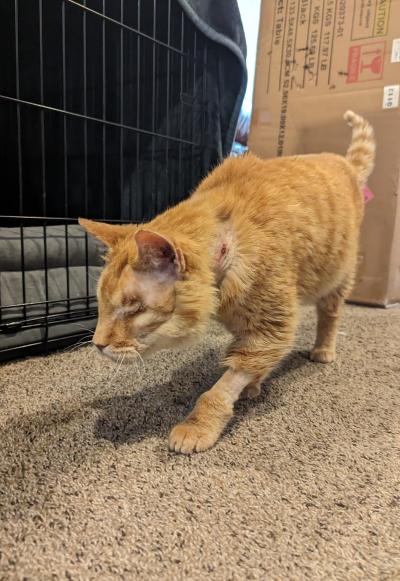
188 437
203 426
322 355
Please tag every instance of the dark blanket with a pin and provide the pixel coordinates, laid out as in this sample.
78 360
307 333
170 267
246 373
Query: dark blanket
220 21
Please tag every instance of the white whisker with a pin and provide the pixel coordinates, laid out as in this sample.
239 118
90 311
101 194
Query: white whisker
112 374
77 343
85 328
80 344
135 363
120 361
140 358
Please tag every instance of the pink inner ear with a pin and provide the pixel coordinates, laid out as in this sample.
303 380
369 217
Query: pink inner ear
154 250
154 242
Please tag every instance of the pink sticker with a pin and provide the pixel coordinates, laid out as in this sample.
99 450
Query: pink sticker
368 195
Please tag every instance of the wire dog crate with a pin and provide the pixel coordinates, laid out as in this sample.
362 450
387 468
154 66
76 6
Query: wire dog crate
106 112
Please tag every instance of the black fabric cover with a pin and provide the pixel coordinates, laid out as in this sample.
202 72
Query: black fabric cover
220 21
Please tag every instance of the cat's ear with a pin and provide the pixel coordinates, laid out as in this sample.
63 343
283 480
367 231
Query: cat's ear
156 253
109 234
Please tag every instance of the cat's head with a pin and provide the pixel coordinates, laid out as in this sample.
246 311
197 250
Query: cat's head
146 299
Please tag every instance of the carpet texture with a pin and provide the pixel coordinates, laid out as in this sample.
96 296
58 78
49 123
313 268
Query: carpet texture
303 485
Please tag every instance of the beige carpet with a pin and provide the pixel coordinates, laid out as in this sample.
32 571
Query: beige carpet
304 485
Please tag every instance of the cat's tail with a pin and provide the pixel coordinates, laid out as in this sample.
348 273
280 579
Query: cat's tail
361 153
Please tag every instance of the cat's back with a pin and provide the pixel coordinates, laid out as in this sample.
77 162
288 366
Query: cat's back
243 174
272 189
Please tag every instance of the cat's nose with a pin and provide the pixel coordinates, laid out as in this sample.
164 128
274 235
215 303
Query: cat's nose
100 347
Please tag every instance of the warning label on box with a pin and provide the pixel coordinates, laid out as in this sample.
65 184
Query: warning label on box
366 62
370 19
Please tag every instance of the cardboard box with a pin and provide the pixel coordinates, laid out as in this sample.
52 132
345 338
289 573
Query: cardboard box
316 59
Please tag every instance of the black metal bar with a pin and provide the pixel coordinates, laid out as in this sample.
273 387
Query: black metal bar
85 135
38 303
204 105
85 145
64 76
65 151
87 268
46 276
121 112
180 175
153 113
104 111
67 266
55 316
139 192
52 218
42 134
168 193
20 179
46 321
43 159
21 230
16 31
194 111
95 119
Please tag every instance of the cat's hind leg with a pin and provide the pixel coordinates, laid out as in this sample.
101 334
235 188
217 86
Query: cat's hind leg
329 310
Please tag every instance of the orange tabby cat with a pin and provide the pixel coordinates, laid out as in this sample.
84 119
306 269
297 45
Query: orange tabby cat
254 240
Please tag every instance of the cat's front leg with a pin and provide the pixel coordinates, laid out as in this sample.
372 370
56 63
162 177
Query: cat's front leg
213 410
250 359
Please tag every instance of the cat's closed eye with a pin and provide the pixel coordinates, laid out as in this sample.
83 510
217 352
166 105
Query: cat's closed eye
135 308
131 309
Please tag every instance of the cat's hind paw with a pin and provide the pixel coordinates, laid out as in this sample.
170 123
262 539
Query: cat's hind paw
321 355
